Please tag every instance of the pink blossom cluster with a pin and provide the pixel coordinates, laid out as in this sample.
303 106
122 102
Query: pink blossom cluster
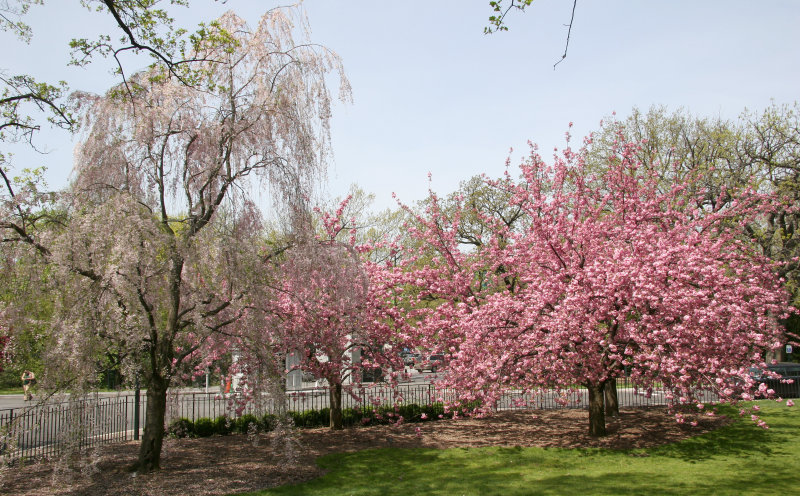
330 304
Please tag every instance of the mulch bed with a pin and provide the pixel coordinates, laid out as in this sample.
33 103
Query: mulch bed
230 464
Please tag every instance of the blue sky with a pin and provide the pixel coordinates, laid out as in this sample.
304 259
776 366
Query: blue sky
434 94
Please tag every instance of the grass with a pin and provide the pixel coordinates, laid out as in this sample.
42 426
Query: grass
6 391
738 459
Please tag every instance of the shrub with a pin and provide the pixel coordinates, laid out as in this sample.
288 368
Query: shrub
222 425
297 418
353 416
242 424
268 422
318 418
204 427
311 418
181 427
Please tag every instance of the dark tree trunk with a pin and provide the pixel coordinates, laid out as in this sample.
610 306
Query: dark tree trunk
597 417
160 358
336 406
612 402
153 438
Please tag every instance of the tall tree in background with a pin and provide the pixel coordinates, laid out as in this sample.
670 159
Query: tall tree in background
161 236
604 272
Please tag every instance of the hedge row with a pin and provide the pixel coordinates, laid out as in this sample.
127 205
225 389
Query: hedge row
222 426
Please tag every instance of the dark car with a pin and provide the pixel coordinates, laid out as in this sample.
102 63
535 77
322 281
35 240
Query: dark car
786 371
430 362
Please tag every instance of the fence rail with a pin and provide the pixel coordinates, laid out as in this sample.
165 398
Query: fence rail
49 430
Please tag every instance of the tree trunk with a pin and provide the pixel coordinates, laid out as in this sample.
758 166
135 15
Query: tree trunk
153 438
335 392
612 402
597 418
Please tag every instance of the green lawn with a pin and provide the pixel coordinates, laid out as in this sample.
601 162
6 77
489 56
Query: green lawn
738 459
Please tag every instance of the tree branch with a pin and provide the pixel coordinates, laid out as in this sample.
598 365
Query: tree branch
569 31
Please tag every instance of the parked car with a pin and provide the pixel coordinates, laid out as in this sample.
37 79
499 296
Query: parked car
430 362
410 358
786 370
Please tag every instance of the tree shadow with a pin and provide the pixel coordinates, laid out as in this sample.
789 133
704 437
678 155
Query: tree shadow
740 437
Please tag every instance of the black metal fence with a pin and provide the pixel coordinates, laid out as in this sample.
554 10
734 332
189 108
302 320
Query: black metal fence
49 430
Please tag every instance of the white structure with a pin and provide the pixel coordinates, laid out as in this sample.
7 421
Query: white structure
294 379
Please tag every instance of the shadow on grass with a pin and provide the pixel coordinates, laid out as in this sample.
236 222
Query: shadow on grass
741 437
739 458
514 471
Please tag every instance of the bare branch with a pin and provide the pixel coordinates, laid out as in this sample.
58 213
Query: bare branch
569 31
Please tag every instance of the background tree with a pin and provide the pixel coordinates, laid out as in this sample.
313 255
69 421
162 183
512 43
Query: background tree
605 273
480 206
326 305
26 301
380 231
147 264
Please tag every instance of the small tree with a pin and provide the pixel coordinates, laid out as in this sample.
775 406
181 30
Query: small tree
329 304
603 273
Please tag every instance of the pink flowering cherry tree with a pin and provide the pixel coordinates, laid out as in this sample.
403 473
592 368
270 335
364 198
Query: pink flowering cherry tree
603 274
329 304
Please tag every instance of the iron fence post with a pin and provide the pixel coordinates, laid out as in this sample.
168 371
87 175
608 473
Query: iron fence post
136 397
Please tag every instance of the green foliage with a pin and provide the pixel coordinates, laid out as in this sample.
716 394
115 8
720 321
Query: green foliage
11 15
222 426
311 418
497 20
268 422
204 427
383 415
22 97
242 424
145 27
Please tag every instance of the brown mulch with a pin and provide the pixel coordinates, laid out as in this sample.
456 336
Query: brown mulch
230 464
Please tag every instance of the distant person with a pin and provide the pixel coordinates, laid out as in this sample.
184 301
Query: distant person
28 380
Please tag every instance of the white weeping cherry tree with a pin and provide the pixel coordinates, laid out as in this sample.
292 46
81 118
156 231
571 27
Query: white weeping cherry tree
155 259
